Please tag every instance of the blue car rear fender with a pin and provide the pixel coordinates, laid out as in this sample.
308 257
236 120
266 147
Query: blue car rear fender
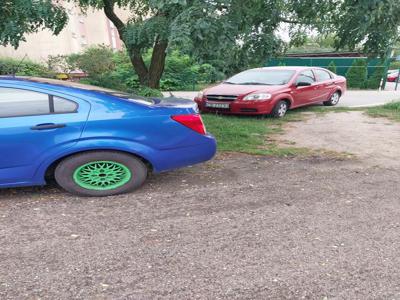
160 160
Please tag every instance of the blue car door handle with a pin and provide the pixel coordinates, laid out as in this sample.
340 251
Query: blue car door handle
47 126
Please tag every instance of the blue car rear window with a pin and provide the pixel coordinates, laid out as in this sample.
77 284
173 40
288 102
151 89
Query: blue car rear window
87 87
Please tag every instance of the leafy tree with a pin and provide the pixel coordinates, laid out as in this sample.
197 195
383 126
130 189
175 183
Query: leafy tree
231 34
370 25
18 17
332 67
357 74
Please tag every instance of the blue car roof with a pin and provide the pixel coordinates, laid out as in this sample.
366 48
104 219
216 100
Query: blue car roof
72 88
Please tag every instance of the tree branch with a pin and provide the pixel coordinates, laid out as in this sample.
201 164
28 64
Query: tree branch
112 16
284 20
134 54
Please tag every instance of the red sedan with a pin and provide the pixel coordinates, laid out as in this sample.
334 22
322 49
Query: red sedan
273 91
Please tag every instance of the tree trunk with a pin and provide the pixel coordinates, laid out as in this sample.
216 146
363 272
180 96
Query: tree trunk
157 64
147 76
139 66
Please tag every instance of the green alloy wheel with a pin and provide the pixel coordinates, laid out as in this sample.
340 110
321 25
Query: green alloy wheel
102 175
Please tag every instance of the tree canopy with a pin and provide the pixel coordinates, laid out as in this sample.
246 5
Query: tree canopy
371 25
234 34
18 17
231 34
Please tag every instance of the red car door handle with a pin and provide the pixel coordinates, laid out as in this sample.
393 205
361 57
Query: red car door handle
47 126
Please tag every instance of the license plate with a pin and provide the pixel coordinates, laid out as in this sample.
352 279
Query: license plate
217 105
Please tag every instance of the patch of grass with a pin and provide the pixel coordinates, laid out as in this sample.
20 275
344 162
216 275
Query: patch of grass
256 135
389 110
249 134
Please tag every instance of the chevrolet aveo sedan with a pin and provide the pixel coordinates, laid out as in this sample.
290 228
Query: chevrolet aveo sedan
272 91
94 142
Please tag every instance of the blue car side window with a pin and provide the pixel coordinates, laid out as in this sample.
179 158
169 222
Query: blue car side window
19 102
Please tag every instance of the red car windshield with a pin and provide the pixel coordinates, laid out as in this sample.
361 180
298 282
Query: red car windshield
262 77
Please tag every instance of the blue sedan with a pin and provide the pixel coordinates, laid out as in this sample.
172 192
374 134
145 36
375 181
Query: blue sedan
93 141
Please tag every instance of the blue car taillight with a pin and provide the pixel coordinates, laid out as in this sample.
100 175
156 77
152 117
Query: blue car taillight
194 122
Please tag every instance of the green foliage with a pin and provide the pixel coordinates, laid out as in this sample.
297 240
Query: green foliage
358 77
209 31
18 17
24 67
182 73
357 74
98 63
370 25
95 61
395 65
332 67
374 81
315 43
233 35
114 70
147 92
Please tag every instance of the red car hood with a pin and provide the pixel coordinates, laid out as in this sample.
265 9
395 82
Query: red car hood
232 89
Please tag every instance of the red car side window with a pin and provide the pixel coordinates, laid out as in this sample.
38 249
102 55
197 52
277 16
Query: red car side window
306 76
322 75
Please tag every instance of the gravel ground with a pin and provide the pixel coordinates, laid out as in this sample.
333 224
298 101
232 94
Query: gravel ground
375 141
239 227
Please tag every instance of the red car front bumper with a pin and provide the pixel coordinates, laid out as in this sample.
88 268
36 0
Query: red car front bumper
238 107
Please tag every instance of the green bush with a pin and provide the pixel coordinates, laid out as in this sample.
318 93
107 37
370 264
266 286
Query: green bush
357 74
394 65
147 92
171 84
332 67
374 81
114 70
96 61
9 66
183 73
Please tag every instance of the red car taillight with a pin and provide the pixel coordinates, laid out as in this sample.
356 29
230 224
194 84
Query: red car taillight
193 122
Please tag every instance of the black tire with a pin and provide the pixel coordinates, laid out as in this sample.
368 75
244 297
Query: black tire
67 168
333 100
280 109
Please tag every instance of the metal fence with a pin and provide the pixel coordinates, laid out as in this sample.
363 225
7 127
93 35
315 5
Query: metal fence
342 64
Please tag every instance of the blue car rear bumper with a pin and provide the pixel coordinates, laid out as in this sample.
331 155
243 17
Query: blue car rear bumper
171 159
